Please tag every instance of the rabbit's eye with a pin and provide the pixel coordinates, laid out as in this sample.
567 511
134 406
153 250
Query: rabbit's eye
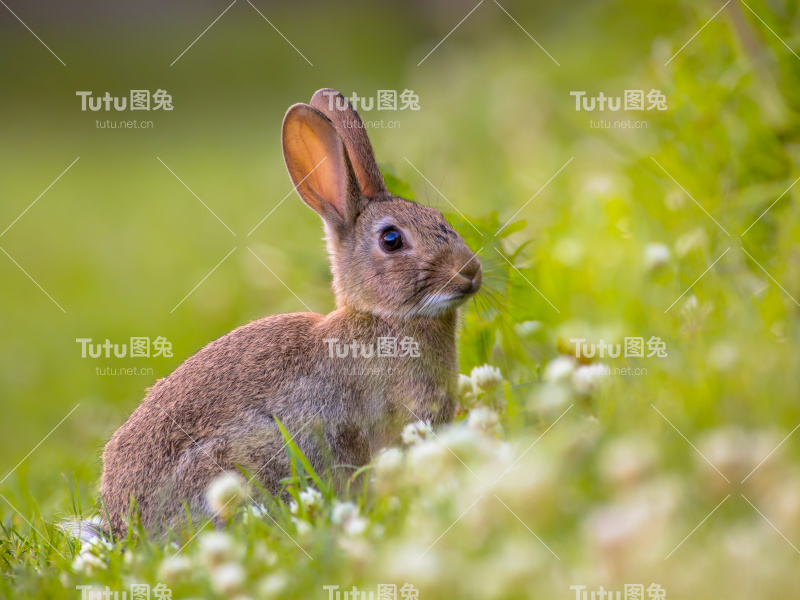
391 240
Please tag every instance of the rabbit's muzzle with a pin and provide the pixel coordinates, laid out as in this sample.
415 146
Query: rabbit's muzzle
469 277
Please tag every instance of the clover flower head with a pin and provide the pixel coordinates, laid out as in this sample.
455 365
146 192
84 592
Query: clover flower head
486 377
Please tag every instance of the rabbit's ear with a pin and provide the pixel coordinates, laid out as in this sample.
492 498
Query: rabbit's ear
351 129
318 165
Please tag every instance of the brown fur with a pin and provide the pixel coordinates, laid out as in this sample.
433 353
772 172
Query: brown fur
218 409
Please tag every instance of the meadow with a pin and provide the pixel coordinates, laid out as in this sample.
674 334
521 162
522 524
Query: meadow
668 462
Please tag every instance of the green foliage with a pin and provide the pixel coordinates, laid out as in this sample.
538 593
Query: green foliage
611 247
395 185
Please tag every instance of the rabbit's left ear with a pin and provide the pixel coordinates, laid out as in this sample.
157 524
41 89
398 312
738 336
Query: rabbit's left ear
319 167
350 128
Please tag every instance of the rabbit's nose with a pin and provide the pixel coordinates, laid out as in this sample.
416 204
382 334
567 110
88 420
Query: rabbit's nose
473 273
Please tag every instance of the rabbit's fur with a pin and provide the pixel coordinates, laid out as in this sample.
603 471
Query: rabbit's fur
218 410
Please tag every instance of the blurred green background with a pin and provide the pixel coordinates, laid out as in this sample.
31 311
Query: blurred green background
118 241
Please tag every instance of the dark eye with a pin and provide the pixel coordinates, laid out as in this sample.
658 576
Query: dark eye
391 240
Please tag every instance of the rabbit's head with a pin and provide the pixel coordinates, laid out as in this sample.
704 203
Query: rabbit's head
389 256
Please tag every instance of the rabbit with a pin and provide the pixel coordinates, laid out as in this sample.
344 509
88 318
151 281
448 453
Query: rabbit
400 271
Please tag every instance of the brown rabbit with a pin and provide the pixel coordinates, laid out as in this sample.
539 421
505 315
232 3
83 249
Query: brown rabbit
399 271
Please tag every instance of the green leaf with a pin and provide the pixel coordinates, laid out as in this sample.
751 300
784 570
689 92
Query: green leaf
513 228
395 185
295 454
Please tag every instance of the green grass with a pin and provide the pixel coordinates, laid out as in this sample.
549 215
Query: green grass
605 487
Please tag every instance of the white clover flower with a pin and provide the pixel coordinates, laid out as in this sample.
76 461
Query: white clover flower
355 526
273 585
616 525
530 479
426 460
465 386
486 377
629 533
588 378
745 544
406 566
225 494
414 433
461 439
509 569
228 578
527 328
254 511
343 511
99 544
100 547
723 356
175 569
357 549
88 563
216 547
551 397
310 499
302 526
569 251
559 369
389 461
483 419
732 450
504 454
656 256
598 184
347 514
627 460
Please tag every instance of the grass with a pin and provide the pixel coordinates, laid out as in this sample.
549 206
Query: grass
682 475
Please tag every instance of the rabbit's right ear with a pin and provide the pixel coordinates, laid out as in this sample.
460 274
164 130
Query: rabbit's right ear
351 129
319 166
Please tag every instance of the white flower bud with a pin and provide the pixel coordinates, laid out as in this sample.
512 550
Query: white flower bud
465 386
414 433
225 494
228 579
216 548
486 377
656 256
